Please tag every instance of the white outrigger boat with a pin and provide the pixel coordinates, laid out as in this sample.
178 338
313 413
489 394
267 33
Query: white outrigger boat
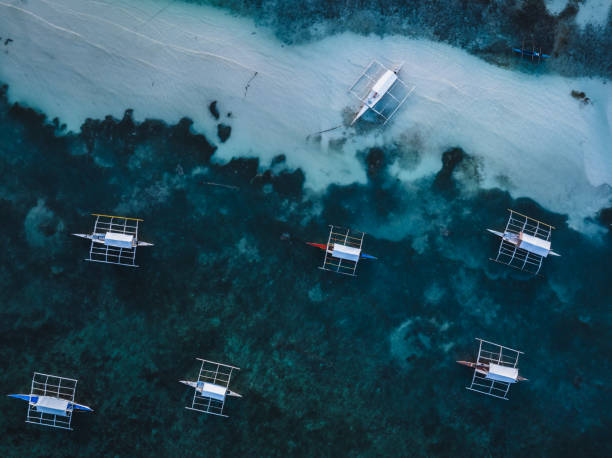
51 401
211 388
380 90
495 369
525 242
114 240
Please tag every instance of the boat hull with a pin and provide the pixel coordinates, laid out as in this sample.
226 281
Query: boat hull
484 369
91 237
322 246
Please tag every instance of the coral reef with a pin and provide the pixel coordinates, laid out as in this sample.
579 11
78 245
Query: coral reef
330 366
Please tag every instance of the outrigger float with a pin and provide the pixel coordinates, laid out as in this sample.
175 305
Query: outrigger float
525 242
380 90
342 250
51 401
211 388
114 240
495 369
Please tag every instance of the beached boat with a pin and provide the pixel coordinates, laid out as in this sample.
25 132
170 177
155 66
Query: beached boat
381 90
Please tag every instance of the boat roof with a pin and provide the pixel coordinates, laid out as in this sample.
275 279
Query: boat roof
346 252
118 240
502 373
534 244
212 390
52 405
385 82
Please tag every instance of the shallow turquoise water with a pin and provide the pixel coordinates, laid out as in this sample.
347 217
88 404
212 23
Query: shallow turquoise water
330 366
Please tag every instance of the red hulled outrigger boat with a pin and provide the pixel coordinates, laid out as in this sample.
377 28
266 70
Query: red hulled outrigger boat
342 250
330 249
495 369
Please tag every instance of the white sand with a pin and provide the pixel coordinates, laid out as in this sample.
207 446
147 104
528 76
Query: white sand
81 58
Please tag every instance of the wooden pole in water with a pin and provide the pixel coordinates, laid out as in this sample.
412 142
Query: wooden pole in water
210 183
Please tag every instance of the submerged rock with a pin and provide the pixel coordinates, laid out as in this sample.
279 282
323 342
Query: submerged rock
375 160
42 227
450 160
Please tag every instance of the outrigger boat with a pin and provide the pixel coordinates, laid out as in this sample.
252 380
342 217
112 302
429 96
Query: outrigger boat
114 240
212 387
51 401
495 369
525 243
342 250
380 90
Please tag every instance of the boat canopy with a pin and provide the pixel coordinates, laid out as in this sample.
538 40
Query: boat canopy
54 406
213 391
534 244
346 252
502 373
119 240
380 88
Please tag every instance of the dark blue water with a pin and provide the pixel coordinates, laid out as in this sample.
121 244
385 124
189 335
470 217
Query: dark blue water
331 366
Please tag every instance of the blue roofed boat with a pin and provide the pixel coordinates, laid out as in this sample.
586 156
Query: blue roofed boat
51 401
